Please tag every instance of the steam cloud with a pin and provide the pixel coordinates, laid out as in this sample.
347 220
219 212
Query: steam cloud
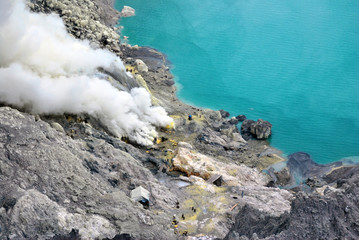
44 68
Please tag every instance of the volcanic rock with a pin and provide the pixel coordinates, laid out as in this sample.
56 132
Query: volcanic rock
241 118
261 129
192 163
224 114
246 129
45 178
301 165
80 181
233 121
332 216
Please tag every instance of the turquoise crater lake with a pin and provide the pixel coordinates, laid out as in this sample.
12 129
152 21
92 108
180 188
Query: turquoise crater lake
294 63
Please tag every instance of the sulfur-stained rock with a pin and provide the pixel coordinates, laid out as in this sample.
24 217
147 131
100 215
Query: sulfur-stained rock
209 206
193 163
142 83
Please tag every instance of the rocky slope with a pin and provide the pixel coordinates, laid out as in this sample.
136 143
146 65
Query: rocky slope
330 215
51 184
85 19
61 174
67 177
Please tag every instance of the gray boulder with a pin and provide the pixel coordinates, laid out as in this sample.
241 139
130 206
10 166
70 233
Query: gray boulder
141 66
260 129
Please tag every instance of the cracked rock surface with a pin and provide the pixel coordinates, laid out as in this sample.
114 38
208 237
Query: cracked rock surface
331 215
44 174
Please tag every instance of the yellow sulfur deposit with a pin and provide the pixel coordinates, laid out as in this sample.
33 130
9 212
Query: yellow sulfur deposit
171 125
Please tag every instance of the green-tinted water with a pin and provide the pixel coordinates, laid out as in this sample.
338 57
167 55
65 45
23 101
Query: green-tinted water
293 63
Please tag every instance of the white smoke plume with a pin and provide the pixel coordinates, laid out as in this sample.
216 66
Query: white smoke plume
44 68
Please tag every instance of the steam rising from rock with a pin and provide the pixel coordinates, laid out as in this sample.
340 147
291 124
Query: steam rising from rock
42 67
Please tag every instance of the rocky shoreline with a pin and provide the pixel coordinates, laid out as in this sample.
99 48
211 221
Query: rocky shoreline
67 177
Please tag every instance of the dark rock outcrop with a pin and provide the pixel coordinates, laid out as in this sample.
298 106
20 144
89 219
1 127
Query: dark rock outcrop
261 129
152 58
302 166
250 221
315 182
246 129
280 178
241 118
339 174
332 216
224 113
233 121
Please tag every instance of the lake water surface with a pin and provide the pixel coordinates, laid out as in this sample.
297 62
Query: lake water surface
294 63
